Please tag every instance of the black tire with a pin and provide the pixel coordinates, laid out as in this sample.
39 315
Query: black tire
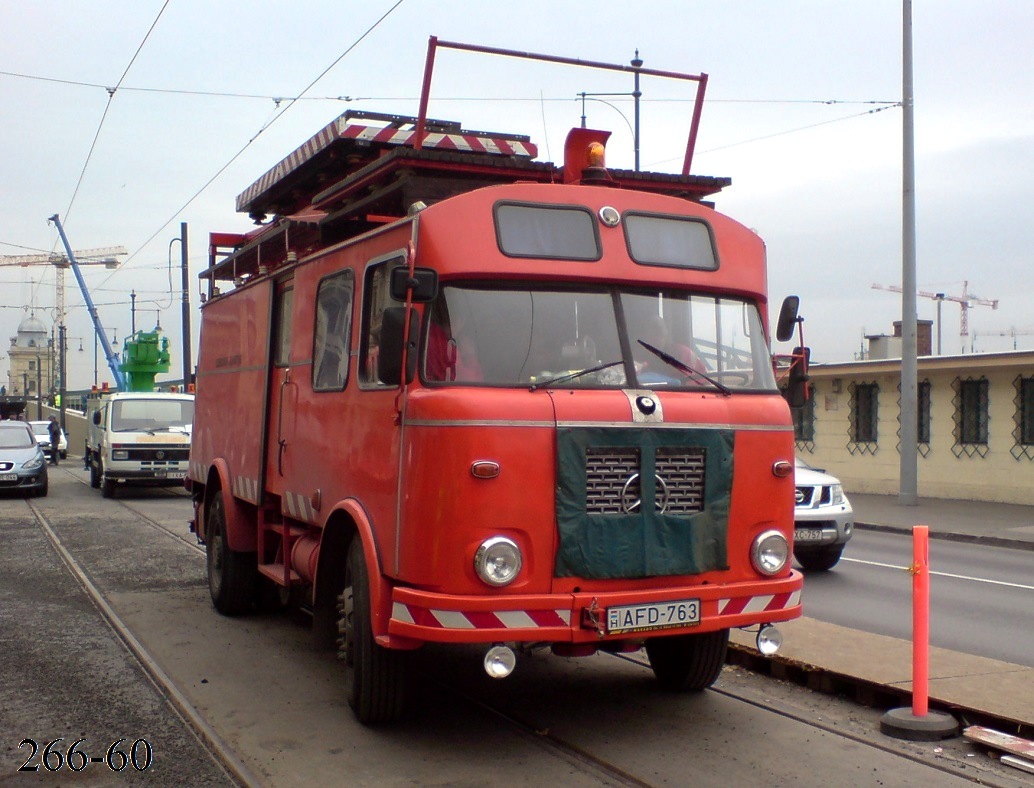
820 559
107 487
95 473
688 662
375 676
232 575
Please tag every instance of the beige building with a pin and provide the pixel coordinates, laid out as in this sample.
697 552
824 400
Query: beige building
975 423
32 361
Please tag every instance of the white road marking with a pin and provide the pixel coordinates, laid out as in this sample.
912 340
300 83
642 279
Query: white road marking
943 574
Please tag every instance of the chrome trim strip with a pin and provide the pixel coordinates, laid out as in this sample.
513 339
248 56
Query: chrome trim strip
609 424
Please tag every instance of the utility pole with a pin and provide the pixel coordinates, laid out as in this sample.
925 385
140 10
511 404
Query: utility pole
908 482
186 305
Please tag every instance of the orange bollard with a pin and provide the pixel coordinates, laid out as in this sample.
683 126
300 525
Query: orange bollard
920 620
919 723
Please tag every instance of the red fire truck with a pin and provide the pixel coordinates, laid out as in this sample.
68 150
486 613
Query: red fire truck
448 393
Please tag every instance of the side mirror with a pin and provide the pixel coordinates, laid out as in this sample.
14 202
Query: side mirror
389 358
97 418
797 389
787 318
423 283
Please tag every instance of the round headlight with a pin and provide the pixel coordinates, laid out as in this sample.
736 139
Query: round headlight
770 553
498 561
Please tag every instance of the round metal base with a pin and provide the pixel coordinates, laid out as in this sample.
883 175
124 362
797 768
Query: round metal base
933 726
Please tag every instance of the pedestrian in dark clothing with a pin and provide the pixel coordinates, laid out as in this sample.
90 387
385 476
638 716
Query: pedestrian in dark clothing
55 439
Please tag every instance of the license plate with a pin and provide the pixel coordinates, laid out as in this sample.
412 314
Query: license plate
662 615
8 477
808 534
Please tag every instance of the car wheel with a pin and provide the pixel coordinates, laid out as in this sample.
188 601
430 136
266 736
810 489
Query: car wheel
374 675
232 575
688 662
820 559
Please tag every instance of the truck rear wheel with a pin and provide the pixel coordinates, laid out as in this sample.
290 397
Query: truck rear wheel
232 575
688 662
375 675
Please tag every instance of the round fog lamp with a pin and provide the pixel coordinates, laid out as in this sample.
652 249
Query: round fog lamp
500 661
498 561
770 553
769 640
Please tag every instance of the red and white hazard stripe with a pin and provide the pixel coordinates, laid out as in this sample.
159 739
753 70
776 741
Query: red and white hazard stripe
498 619
762 603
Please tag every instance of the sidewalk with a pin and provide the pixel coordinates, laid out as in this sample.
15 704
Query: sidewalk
956 681
1002 524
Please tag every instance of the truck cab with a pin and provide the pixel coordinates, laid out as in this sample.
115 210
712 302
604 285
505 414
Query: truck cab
138 438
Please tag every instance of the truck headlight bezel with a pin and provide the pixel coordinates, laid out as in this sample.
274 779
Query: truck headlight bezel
498 561
770 553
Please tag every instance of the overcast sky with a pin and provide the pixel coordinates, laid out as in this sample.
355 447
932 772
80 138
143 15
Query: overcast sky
801 113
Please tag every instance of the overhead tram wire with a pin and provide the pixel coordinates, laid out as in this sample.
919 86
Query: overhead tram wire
274 119
107 106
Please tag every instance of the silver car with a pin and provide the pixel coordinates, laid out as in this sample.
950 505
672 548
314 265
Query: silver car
23 465
823 519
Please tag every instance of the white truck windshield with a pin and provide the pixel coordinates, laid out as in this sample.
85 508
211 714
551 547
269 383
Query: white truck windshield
143 415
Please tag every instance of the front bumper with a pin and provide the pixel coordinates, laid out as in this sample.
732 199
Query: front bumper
577 618
26 482
171 475
825 525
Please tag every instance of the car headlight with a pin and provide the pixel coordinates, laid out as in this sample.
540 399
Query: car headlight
34 463
120 454
498 561
770 552
836 495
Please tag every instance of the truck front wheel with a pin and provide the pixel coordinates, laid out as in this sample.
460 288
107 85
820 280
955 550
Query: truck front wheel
688 662
232 575
95 472
375 675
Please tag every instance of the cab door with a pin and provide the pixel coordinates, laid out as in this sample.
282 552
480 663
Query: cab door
281 427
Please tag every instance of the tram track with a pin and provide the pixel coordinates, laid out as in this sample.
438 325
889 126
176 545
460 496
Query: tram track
206 736
560 745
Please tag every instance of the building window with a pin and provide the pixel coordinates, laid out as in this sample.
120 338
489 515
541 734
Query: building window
804 424
923 389
864 418
1023 434
971 417
923 416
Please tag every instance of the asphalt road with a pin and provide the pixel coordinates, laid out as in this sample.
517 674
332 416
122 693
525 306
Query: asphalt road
280 707
981 598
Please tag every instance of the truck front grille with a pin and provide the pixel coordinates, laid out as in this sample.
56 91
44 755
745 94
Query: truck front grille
612 484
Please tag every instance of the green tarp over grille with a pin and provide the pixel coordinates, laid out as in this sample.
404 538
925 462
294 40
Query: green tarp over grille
645 543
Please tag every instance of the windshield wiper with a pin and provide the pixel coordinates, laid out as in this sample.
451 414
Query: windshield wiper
573 375
670 359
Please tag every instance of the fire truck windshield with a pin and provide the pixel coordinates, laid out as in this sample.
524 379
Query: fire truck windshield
595 338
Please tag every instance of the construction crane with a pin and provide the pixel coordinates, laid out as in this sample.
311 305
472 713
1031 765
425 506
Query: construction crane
106 256
965 301
109 353
1012 332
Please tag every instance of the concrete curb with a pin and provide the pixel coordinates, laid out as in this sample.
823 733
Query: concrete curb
990 541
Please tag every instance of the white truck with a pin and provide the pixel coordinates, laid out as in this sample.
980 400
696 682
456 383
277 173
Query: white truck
138 438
